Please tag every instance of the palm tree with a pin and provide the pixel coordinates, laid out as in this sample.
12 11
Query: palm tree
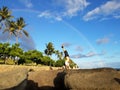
5 14
11 29
14 28
49 49
59 54
20 24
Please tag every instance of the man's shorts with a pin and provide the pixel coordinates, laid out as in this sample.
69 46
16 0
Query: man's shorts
66 63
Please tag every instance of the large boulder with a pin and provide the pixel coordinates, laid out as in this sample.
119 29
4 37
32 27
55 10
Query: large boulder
93 79
15 79
46 80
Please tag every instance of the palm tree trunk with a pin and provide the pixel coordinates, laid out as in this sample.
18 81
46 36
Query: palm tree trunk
9 37
17 39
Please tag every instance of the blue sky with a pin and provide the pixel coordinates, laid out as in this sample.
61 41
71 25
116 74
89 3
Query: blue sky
89 29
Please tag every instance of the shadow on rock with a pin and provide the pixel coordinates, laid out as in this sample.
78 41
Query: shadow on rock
34 86
31 85
55 77
59 81
118 80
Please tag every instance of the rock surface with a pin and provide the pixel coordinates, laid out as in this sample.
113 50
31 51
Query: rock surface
83 79
13 80
18 78
93 79
46 80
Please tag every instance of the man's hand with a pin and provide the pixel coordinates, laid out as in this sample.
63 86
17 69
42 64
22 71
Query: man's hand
62 46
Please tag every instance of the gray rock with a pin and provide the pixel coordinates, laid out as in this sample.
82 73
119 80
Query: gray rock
13 80
93 79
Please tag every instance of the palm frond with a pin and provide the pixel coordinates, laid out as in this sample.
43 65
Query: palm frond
20 23
14 34
5 13
26 33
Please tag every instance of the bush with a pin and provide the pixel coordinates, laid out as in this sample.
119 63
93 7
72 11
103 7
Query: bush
9 61
1 61
59 63
47 61
21 61
28 61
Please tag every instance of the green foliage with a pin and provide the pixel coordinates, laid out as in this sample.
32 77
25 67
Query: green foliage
21 61
9 61
47 61
31 56
5 13
28 61
34 56
1 61
59 63
16 50
59 54
4 50
49 49
72 64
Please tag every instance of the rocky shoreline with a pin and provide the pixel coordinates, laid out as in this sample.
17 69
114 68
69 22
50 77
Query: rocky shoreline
82 79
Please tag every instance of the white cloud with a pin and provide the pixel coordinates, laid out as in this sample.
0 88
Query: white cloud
66 44
113 64
77 56
92 64
110 8
74 6
65 8
117 16
79 48
98 64
27 3
58 18
49 15
103 41
88 55
45 14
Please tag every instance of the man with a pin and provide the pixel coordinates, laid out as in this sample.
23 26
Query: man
67 59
